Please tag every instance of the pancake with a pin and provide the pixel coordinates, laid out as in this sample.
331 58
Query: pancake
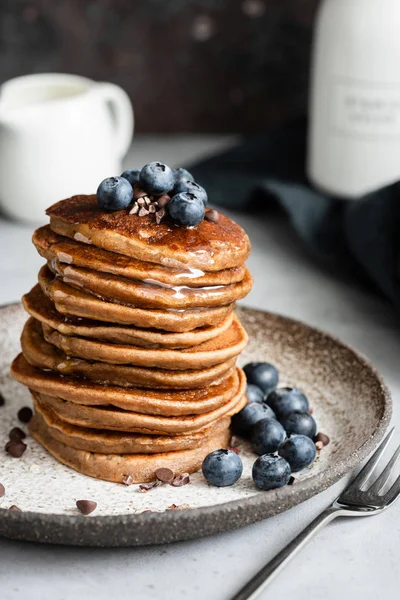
161 402
70 301
115 442
114 419
43 355
208 246
42 308
116 467
150 294
220 349
56 247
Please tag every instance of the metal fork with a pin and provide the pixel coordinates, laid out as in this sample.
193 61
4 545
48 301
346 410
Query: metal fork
360 499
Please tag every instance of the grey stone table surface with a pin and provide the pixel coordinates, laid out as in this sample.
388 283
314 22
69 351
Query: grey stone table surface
348 559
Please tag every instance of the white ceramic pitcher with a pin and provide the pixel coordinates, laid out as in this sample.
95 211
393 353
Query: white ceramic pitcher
60 135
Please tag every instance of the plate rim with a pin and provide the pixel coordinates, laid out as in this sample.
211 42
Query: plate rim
141 528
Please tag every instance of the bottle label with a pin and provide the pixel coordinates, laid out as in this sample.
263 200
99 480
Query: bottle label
365 109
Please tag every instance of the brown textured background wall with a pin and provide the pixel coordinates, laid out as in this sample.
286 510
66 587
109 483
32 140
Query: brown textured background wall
188 65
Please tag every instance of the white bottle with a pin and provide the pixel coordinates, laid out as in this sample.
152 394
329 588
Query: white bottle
354 135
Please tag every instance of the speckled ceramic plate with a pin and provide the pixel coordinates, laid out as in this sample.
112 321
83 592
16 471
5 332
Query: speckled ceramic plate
350 401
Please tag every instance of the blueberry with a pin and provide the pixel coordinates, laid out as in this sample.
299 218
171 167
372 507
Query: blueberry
186 209
270 472
156 178
250 414
299 451
267 435
132 175
114 193
182 175
283 401
254 393
193 188
302 423
222 467
262 374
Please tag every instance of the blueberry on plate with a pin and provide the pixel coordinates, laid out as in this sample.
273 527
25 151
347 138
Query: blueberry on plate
244 421
254 393
182 175
285 400
132 175
262 374
193 188
114 193
186 209
299 451
156 178
270 472
302 423
267 435
222 467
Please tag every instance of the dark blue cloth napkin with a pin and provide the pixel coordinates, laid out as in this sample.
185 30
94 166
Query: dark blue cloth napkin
360 238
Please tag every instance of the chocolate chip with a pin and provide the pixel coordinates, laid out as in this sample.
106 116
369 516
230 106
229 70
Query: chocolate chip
128 480
319 446
159 215
16 434
147 200
2 400
291 480
146 487
25 414
134 210
138 193
153 208
178 506
163 200
322 437
15 448
181 479
143 212
86 506
165 475
141 202
15 507
212 215
2 490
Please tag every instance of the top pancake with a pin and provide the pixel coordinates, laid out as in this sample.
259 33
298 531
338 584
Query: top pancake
209 246
54 247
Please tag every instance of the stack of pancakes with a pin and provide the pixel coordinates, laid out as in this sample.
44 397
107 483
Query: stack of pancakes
131 344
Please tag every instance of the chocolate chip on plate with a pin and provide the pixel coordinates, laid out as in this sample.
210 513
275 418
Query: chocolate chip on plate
25 414
146 487
322 437
15 448
291 480
165 475
16 434
15 507
127 480
2 490
319 445
178 506
212 215
2 400
181 479
86 506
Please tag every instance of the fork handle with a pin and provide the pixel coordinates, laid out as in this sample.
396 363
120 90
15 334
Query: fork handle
271 569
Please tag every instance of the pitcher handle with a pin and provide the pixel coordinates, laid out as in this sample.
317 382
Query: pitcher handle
121 112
